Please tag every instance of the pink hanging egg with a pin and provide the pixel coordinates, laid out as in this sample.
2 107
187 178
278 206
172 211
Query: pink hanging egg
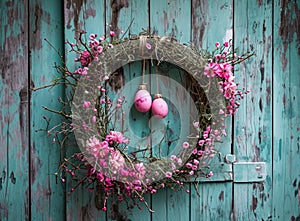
142 99
159 107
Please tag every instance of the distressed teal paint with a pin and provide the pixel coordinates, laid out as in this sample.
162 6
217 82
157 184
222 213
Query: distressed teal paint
265 129
253 124
89 16
212 22
286 133
14 125
47 194
167 19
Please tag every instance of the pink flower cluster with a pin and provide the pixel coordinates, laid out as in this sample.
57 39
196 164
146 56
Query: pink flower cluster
112 164
220 67
93 51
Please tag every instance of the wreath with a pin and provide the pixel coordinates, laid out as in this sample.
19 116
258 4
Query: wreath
108 162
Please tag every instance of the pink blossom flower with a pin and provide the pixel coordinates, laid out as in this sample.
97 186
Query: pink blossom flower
196 162
179 161
97 148
86 104
189 165
217 44
117 137
94 119
112 33
140 169
196 124
93 36
173 157
218 56
78 71
148 46
85 58
95 43
224 70
185 145
216 132
226 44
201 142
116 162
99 49
210 70
84 71
173 166
168 174
194 151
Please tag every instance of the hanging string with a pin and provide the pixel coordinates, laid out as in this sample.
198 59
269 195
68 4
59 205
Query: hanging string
156 75
143 73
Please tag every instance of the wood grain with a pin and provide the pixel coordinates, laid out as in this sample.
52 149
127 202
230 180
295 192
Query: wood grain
253 124
266 127
14 124
47 194
286 106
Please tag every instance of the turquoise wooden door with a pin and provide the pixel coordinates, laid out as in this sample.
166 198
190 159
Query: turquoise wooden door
266 129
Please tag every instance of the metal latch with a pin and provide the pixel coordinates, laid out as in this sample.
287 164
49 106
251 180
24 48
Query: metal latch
247 172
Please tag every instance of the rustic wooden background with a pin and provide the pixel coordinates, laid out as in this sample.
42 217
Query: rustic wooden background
266 128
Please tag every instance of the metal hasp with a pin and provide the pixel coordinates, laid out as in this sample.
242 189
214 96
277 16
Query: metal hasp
247 172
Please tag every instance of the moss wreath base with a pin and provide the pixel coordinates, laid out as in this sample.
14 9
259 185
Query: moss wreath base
104 163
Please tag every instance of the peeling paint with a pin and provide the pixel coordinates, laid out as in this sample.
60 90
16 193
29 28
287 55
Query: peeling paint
199 21
3 211
253 205
35 163
116 6
39 16
221 196
289 23
298 194
12 178
289 27
23 121
76 5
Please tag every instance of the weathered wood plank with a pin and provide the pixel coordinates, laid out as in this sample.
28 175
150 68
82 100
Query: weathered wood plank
213 203
215 198
253 122
126 18
90 17
14 112
286 116
172 18
171 204
47 194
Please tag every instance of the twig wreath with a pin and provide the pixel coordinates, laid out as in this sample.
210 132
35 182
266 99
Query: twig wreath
107 162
